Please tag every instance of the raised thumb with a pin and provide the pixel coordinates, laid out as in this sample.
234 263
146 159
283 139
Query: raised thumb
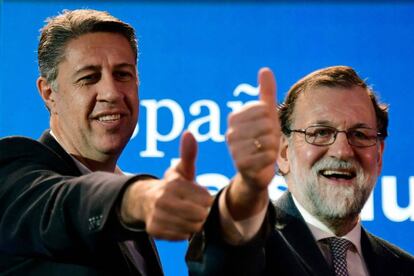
267 87
188 154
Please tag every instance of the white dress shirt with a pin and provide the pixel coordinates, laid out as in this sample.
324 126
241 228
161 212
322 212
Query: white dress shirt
355 260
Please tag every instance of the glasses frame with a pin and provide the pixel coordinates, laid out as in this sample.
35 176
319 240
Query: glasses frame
346 132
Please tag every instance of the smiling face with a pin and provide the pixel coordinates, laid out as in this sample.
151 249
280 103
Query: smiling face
95 108
334 181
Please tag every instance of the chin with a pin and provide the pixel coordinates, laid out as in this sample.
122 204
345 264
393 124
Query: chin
112 148
338 202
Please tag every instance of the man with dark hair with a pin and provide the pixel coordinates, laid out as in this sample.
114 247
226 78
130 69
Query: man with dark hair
65 206
329 148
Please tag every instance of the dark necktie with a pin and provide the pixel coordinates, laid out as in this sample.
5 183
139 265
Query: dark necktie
339 247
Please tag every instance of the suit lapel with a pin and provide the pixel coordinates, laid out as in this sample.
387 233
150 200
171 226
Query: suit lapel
150 254
50 142
379 260
291 225
146 246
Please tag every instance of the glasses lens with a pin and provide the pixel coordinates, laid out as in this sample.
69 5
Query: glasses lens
320 135
362 137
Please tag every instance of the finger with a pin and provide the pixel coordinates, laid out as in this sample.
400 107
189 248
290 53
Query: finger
184 211
188 154
242 148
176 221
180 190
257 128
249 112
267 87
194 194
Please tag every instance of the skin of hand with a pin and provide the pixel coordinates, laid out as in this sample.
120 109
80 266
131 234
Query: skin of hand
173 208
253 139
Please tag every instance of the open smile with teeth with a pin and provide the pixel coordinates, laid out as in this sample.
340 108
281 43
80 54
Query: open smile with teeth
337 174
109 118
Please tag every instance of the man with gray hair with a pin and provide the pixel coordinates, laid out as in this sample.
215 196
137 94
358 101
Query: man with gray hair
65 206
327 139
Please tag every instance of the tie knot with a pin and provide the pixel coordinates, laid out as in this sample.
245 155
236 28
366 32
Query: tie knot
338 246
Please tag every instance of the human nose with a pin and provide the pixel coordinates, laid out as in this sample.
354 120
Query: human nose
109 90
341 147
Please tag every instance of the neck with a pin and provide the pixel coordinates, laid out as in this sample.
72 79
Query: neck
340 226
93 165
106 163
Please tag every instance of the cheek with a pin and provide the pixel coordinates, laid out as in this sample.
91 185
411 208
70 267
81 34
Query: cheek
307 155
133 102
370 160
74 101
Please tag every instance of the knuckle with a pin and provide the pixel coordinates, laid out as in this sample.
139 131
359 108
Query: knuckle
230 134
232 118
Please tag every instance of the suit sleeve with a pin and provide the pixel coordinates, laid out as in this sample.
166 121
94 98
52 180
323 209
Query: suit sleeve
210 254
45 212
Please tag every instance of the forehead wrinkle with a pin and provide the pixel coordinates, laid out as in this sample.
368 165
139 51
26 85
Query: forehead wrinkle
83 68
341 107
85 50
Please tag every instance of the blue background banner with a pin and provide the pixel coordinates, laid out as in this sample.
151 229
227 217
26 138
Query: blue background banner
198 62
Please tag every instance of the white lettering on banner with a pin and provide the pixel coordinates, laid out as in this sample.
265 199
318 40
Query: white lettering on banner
390 205
367 212
153 136
213 119
207 128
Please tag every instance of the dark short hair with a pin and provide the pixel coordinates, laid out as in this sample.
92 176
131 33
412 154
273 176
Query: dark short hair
68 25
335 76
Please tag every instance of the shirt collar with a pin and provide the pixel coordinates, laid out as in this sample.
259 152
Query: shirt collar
321 231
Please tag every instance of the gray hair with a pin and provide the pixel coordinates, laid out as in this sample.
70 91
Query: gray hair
335 76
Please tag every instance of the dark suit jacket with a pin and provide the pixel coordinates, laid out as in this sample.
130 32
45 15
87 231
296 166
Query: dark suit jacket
284 246
267 254
55 221
381 257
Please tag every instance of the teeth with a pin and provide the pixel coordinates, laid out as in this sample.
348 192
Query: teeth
112 117
332 172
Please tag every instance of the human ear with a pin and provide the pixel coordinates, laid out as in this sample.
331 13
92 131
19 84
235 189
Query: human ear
46 92
283 158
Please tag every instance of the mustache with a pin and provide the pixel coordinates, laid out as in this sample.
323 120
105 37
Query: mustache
335 164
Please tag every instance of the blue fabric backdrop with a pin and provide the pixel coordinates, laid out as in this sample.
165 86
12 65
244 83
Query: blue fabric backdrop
198 61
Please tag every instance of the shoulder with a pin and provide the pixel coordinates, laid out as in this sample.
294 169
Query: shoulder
18 152
20 146
385 258
381 245
15 146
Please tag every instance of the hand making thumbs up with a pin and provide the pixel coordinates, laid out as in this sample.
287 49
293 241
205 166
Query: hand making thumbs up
253 139
172 208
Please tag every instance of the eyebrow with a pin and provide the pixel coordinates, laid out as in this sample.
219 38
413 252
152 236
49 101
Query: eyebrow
87 68
128 65
99 68
329 123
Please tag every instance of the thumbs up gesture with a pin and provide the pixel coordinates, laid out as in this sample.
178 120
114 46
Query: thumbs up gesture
172 208
253 134
253 139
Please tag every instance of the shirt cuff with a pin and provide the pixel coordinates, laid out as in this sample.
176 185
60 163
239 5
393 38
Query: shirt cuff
242 231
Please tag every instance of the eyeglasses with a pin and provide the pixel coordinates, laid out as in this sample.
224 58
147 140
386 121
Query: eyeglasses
326 135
